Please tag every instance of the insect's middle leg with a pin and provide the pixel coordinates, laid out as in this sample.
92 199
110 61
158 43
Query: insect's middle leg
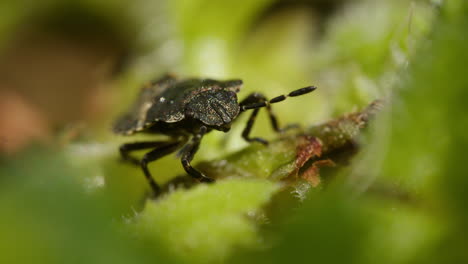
187 156
126 149
154 155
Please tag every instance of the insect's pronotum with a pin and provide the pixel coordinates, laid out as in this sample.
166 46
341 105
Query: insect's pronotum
185 110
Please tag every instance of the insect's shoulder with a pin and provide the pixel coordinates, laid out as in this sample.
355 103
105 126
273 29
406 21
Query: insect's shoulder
169 106
135 119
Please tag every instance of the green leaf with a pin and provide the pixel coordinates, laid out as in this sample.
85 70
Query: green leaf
208 222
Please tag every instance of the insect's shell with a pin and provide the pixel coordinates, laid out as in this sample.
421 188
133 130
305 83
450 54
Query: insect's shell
164 100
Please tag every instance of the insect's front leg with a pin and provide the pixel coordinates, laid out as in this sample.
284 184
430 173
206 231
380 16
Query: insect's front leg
188 153
252 99
256 101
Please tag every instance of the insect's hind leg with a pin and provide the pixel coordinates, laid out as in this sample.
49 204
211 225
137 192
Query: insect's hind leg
187 156
153 155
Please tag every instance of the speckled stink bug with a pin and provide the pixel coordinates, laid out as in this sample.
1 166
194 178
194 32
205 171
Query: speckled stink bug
185 110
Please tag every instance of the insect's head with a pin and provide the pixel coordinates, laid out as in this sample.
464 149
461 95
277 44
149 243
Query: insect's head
215 108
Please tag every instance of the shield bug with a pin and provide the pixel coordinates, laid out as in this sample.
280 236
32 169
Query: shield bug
185 110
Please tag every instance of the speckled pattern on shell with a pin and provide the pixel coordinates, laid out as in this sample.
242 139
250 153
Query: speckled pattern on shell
168 99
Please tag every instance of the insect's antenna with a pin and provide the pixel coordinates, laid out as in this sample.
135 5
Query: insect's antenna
280 98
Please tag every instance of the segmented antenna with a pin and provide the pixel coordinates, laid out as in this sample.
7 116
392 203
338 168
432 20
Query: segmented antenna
278 99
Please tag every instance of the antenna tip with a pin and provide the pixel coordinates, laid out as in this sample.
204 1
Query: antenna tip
302 91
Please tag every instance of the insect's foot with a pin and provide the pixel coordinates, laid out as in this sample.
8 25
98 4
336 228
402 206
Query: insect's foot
260 140
154 195
207 180
289 127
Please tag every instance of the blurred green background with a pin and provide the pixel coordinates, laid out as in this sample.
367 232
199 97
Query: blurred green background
68 68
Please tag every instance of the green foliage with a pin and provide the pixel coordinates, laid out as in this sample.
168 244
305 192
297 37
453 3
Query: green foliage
401 200
206 223
48 218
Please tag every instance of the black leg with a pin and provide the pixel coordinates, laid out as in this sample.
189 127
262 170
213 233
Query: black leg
248 128
256 101
154 155
187 156
125 149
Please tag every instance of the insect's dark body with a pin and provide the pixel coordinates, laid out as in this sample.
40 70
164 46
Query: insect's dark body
183 128
185 110
179 107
